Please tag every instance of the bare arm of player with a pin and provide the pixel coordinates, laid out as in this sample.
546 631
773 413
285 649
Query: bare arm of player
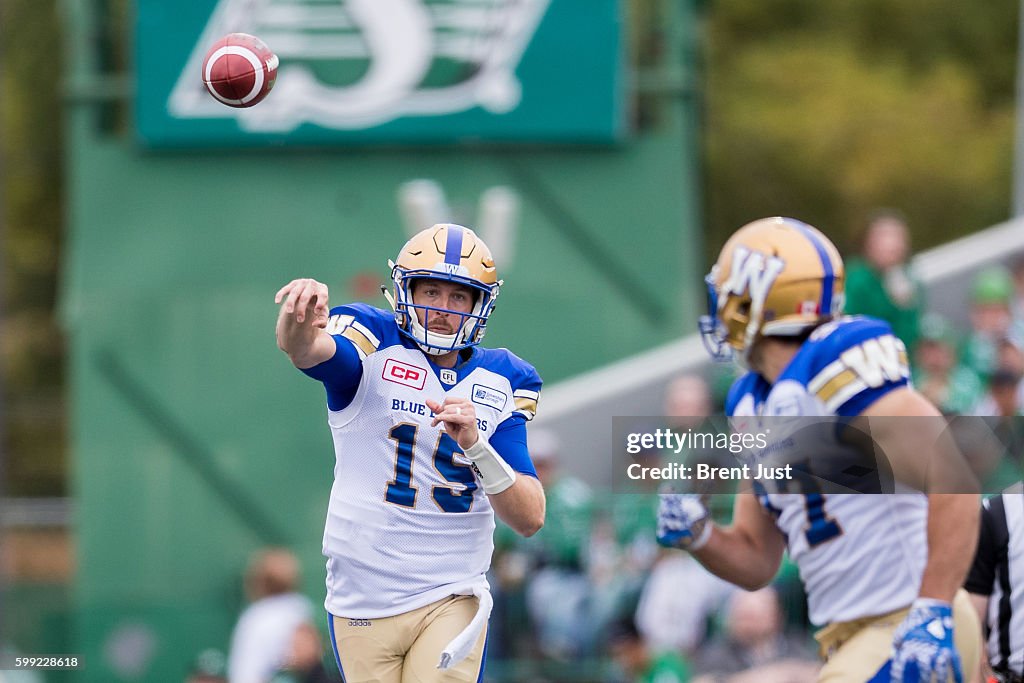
952 517
301 322
748 552
521 505
984 672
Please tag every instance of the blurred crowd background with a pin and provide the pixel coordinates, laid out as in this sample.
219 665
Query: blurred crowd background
889 125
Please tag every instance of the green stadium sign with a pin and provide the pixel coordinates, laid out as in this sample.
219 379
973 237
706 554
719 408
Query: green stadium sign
388 71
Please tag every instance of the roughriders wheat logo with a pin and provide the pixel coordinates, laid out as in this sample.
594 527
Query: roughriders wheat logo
350 64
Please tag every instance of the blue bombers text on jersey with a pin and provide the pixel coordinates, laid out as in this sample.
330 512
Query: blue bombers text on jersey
407 522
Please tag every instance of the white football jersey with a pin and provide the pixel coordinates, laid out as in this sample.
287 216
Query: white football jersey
860 554
408 523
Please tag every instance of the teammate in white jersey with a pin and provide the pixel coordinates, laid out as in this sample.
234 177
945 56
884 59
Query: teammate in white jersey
882 572
430 441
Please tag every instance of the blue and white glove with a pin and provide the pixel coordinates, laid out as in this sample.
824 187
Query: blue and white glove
683 521
922 648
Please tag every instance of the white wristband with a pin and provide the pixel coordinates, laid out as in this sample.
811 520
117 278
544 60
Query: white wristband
702 537
495 474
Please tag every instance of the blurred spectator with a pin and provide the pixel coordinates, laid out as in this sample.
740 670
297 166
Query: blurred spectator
263 636
558 592
673 619
1003 398
1010 353
1004 406
640 663
1003 389
687 402
510 569
953 388
1010 356
755 638
305 660
880 283
977 440
991 292
209 666
624 547
687 407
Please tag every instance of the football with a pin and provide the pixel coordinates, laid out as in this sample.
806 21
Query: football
239 70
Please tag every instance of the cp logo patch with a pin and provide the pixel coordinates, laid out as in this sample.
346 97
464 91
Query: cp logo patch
402 373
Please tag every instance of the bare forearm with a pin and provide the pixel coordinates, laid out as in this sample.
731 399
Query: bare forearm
738 558
952 538
748 552
522 505
980 605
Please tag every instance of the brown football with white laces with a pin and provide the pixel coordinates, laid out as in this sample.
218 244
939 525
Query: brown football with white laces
239 70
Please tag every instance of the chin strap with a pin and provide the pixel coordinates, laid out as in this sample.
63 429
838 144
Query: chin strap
413 324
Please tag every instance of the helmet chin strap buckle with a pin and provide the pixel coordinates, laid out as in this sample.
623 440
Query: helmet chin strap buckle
434 343
714 342
387 295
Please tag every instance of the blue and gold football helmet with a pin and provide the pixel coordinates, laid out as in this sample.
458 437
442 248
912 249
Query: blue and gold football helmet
444 252
774 277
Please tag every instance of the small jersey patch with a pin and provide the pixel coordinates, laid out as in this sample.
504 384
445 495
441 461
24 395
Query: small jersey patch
488 396
405 374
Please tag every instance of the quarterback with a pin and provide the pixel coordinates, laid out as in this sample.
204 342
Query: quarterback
882 572
430 441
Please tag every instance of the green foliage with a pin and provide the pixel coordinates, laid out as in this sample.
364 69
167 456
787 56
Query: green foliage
31 347
826 111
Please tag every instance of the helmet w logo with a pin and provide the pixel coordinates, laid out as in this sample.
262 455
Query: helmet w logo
752 272
353 64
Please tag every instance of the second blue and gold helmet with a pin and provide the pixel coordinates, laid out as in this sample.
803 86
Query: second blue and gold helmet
774 277
444 252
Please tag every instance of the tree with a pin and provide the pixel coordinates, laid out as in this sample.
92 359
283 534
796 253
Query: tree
825 111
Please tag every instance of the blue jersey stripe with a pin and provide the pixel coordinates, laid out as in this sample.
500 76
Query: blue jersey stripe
826 263
483 657
453 248
334 645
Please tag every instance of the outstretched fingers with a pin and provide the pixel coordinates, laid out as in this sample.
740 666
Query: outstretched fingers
297 297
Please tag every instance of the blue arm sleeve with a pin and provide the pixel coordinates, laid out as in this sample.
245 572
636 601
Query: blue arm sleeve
340 374
509 440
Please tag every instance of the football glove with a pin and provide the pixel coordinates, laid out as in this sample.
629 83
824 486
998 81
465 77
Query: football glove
683 521
923 647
